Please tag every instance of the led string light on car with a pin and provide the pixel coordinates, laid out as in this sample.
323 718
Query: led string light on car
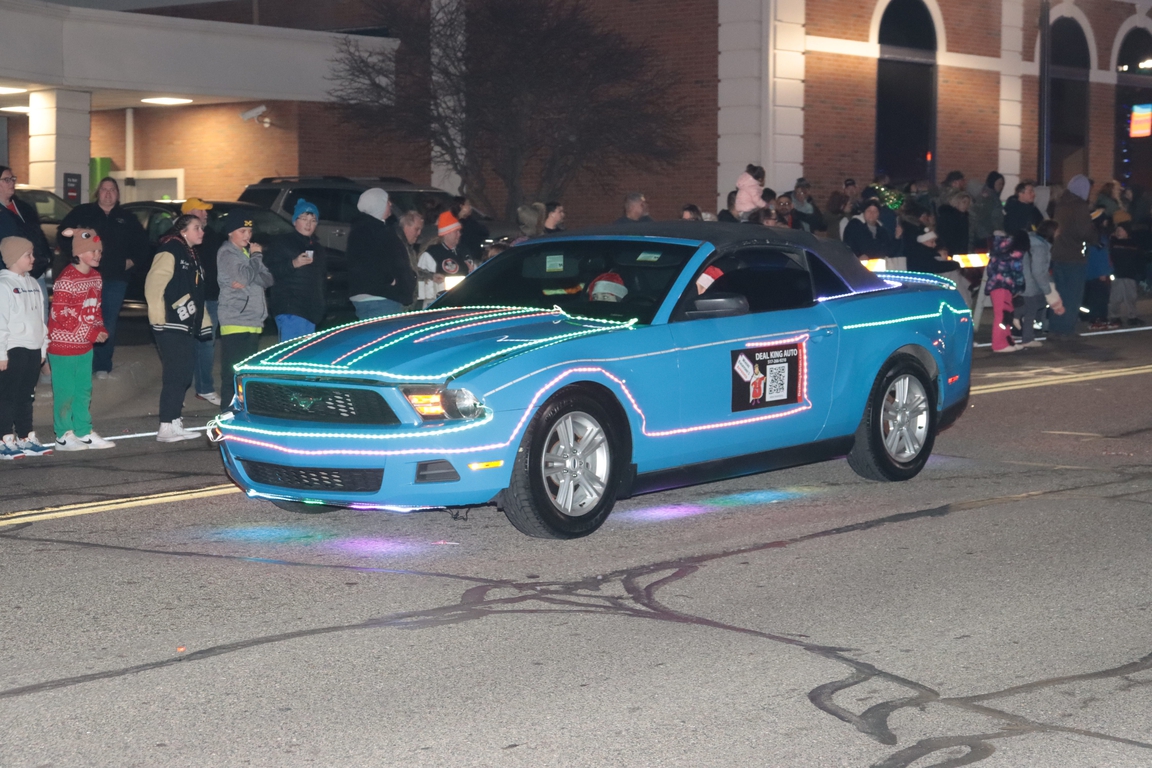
887 287
924 278
395 333
805 405
431 378
477 324
939 313
221 424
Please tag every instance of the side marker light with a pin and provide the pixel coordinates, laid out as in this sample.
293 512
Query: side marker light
486 464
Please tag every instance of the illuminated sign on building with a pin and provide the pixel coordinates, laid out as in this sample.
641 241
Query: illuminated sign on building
1141 123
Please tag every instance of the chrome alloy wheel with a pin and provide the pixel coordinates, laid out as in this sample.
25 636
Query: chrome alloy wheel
576 463
904 424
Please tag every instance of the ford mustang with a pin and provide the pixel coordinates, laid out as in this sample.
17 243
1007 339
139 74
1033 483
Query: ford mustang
574 371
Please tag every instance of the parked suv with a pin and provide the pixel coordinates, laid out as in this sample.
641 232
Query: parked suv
336 198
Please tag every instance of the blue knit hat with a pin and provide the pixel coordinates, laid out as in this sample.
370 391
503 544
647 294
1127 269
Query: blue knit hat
303 207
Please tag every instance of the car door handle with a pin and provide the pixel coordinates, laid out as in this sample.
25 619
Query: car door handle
818 334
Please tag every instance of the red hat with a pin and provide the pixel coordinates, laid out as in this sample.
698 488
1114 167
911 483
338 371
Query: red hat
447 223
610 283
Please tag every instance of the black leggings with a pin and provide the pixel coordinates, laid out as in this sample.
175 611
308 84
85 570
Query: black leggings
234 347
178 360
18 391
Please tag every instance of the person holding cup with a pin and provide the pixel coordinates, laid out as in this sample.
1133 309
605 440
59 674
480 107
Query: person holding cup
299 265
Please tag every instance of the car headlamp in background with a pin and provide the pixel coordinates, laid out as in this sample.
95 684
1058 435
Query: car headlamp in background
451 281
435 404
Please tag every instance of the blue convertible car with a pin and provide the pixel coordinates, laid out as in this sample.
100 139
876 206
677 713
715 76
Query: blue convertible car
573 371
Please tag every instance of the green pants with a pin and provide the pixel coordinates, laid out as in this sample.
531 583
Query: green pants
72 393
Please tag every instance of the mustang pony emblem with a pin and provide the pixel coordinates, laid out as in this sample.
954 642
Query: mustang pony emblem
304 402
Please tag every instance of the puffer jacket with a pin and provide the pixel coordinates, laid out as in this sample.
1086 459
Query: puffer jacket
748 194
245 307
1005 268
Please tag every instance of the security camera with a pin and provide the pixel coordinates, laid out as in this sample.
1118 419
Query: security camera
253 113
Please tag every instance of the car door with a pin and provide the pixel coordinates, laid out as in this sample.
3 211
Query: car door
759 380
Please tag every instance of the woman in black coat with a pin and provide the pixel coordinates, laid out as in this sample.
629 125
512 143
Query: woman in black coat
952 224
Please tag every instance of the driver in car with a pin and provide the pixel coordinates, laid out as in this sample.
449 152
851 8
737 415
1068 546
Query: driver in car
607 287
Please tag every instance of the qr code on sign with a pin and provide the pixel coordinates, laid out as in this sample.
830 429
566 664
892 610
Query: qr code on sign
777 384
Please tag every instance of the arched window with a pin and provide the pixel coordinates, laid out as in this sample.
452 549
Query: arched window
1071 62
906 93
1134 109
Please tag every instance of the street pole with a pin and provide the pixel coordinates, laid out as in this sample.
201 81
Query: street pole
1044 160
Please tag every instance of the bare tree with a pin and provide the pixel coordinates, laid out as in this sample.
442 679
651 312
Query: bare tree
529 92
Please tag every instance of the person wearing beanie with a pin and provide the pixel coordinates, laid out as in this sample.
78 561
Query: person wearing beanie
174 289
74 325
446 257
23 349
380 277
299 264
1076 233
206 344
242 277
125 245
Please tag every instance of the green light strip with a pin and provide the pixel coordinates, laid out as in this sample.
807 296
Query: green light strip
939 313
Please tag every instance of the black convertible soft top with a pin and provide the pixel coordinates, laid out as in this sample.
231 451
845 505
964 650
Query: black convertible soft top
726 236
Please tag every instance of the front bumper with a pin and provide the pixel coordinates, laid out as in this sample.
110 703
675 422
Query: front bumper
311 464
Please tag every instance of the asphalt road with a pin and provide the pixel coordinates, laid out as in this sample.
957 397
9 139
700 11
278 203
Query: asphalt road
996 610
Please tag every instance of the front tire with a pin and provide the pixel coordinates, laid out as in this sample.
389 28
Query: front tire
896 435
567 471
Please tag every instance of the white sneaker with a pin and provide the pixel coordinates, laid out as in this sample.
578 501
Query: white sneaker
69 442
32 446
96 442
103 375
210 397
172 432
179 424
9 450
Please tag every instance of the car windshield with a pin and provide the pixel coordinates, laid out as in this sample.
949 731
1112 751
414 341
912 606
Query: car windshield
50 208
610 279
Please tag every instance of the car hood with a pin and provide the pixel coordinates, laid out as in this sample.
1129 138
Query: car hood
429 346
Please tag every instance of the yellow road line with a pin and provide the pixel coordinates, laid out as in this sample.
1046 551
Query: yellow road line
88 508
1048 381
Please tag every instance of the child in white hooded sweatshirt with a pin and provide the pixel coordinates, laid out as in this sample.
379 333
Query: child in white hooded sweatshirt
23 349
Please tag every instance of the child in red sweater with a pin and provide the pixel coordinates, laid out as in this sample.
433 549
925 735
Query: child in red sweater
74 325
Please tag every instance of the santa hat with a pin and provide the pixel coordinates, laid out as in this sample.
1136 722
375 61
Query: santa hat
926 238
707 277
447 223
610 283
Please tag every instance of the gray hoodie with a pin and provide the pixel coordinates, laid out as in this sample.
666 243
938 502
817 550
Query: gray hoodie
242 306
1036 263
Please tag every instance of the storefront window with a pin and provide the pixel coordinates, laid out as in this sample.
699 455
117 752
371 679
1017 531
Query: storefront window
906 93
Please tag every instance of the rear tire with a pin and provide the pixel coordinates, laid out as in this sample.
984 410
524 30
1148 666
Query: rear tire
567 471
896 435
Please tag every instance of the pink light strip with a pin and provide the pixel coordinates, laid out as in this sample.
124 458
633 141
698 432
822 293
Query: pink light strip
803 395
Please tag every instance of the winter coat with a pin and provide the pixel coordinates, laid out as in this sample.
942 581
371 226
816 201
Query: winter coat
174 289
860 239
807 216
123 237
748 194
1020 216
1128 261
1076 230
21 314
987 215
26 223
244 307
1037 262
298 290
1005 268
378 262
920 257
952 229
1099 265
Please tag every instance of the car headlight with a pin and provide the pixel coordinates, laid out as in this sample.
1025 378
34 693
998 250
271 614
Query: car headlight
435 404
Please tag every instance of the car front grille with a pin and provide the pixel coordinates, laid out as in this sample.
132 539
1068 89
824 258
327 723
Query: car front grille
304 479
318 403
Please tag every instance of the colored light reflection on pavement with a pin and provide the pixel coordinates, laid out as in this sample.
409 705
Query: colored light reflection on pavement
374 546
712 504
272 534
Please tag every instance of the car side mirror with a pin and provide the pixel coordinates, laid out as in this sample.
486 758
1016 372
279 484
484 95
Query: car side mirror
718 305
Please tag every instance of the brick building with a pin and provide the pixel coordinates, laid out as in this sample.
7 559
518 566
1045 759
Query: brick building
803 87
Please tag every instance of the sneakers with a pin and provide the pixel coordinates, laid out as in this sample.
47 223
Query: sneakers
69 442
32 446
210 397
103 375
9 451
173 432
95 442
